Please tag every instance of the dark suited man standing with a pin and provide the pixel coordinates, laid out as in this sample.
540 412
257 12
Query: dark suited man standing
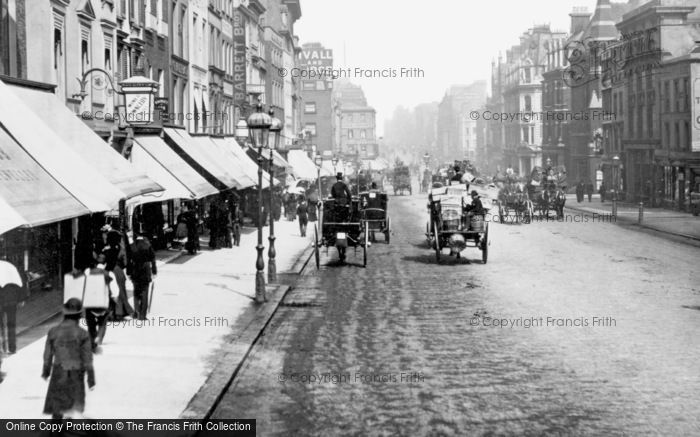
11 297
143 270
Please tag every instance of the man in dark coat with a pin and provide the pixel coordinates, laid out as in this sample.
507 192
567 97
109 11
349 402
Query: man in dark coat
341 193
589 189
11 297
143 270
579 191
67 359
303 214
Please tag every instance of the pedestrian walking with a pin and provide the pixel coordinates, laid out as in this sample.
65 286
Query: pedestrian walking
12 296
603 188
191 222
589 190
142 271
303 216
115 262
213 224
67 360
100 300
237 219
579 191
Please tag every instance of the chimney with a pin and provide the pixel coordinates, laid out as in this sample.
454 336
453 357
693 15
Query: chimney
579 19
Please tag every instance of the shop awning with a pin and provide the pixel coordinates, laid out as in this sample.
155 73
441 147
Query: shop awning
80 179
143 161
249 166
178 169
200 158
232 165
78 136
28 194
303 167
9 218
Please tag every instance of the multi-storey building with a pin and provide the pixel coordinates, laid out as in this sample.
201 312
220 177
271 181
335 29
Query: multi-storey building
648 77
456 129
179 30
356 122
282 46
522 94
491 158
317 96
583 75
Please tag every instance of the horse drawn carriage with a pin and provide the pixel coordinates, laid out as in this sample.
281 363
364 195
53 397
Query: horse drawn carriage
547 190
513 198
374 213
341 226
452 225
401 180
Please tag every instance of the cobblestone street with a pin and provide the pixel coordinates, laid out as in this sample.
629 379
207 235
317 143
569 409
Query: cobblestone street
561 332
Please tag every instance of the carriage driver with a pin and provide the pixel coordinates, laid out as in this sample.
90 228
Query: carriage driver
340 191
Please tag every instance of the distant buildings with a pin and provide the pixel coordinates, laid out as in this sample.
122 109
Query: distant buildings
456 129
619 84
318 118
356 121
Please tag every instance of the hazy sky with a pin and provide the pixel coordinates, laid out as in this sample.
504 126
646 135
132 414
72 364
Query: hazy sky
453 41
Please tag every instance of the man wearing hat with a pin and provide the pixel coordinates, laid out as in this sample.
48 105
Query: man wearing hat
67 359
476 207
142 270
341 193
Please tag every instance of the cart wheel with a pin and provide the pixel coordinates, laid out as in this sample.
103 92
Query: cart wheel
437 242
387 232
316 254
364 248
485 245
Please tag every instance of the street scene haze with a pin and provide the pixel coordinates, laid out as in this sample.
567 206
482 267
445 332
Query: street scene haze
326 218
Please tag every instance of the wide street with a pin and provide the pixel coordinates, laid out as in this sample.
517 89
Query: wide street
572 327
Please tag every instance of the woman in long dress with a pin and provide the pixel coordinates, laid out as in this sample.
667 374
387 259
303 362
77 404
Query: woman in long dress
67 360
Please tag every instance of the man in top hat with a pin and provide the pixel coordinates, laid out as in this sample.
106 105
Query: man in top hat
67 360
142 271
340 191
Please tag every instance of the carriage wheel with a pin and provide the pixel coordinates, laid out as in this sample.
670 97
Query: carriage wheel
485 245
316 254
387 232
364 247
437 242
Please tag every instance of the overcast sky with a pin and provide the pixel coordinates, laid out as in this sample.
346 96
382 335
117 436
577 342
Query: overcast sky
453 41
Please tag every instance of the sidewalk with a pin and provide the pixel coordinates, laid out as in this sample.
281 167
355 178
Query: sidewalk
666 221
153 368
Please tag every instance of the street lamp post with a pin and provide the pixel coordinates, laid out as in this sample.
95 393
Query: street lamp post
334 161
318 160
275 130
259 128
616 183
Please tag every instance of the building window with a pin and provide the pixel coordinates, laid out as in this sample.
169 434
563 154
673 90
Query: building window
667 134
686 94
310 108
528 104
57 48
363 134
310 128
526 134
677 135
351 134
85 54
164 12
108 59
688 136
